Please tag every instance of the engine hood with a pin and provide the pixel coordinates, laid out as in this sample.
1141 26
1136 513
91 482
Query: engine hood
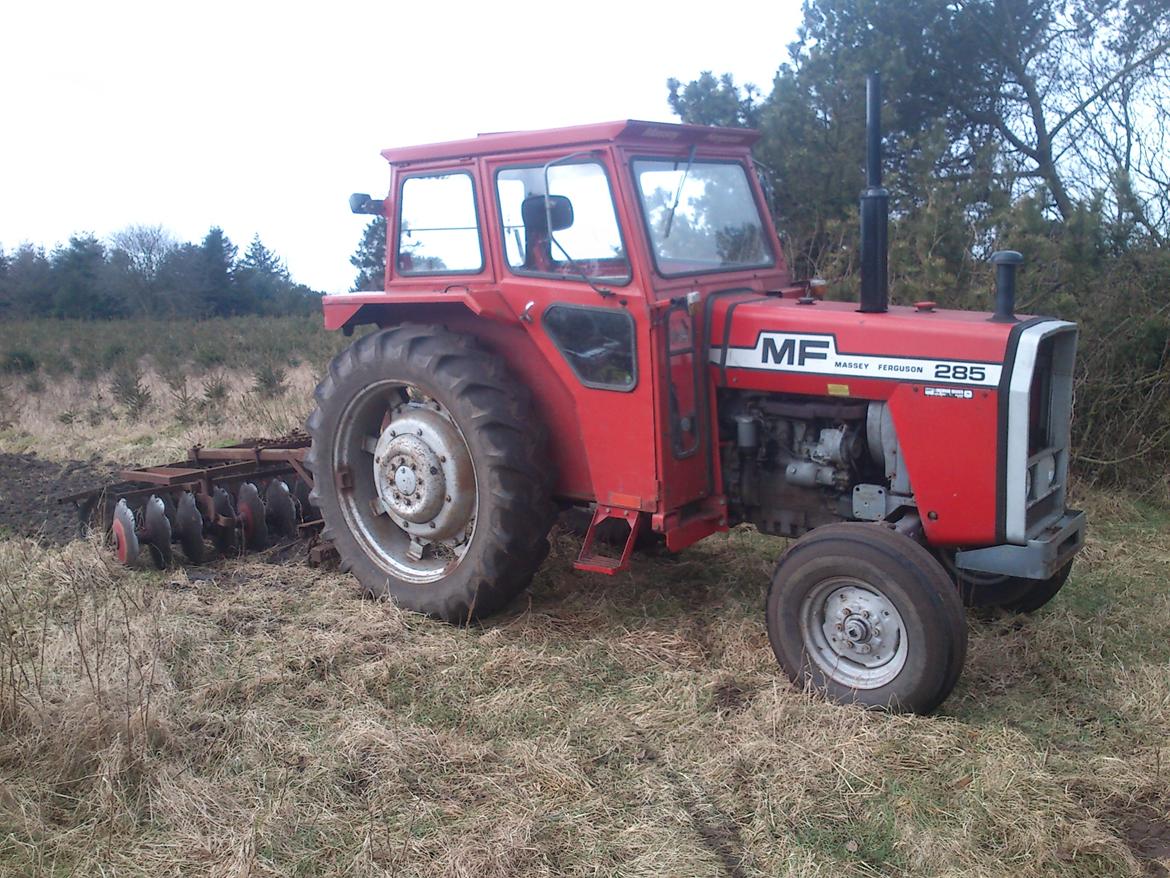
756 334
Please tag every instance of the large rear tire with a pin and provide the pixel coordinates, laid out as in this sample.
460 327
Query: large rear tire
867 616
430 473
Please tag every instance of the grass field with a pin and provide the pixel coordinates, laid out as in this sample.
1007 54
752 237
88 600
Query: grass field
253 718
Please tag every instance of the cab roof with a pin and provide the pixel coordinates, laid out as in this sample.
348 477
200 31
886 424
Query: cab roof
628 132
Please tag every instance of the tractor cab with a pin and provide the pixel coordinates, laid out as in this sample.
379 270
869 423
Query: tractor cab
592 252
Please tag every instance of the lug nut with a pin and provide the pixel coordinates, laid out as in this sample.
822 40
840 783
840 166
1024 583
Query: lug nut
434 470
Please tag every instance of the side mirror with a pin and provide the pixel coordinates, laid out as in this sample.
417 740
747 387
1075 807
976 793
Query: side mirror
536 218
360 202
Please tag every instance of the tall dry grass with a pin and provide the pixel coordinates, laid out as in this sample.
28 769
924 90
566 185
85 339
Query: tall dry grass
260 719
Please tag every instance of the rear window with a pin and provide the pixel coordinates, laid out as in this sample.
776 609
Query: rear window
438 228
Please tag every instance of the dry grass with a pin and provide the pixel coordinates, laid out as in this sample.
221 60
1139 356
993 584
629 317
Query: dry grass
76 419
251 719
260 719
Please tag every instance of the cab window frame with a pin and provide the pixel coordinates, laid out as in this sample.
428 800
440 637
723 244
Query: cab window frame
479 230
556 275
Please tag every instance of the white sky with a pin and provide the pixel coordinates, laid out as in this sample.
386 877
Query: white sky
263 117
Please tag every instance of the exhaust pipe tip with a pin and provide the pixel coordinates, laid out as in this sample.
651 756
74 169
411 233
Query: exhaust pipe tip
1005 262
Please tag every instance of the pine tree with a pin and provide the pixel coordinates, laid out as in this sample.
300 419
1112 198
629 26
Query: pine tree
370 257
218 270
261 278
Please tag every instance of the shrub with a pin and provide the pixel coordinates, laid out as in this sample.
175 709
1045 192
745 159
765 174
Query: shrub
18 362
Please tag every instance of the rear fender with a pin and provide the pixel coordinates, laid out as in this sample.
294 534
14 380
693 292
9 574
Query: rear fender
388 309
488 318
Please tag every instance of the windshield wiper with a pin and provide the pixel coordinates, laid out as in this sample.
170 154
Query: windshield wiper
678 192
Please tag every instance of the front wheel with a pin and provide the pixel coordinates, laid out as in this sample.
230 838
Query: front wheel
429 472
867 616
1012 594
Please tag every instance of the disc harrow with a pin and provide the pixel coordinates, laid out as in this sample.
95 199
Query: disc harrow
219 502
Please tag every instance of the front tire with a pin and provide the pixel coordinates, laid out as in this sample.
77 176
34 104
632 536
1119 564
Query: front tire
429 472
1012 594
866 616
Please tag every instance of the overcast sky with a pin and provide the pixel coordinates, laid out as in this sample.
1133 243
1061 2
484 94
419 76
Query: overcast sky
262 117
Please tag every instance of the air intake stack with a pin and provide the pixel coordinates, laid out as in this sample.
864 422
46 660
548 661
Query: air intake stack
875 208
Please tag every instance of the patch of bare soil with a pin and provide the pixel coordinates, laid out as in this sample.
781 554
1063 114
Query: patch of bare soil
1145 826
30 488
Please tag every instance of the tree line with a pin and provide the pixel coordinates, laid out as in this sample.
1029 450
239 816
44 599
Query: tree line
144 271
1033 125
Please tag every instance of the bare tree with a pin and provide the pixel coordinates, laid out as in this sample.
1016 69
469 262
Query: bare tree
1078 90
143 248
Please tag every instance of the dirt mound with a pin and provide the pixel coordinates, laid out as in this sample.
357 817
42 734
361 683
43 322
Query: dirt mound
30 486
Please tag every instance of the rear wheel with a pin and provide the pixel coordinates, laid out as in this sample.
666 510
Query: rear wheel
428 472
867 616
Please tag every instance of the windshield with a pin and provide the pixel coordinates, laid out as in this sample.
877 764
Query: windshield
701 216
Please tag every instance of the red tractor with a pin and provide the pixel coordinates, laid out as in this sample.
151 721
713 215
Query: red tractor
601 317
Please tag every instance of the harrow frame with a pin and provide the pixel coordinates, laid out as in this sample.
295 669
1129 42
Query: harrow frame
206 470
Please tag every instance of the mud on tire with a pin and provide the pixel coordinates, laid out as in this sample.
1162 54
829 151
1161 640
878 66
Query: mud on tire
476 431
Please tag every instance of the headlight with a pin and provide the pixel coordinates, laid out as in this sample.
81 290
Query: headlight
1041 476
1046 471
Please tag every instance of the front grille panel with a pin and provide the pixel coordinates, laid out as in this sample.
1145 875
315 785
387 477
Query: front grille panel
1050 414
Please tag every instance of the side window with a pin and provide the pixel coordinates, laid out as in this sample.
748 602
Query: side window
598 344
583 236
438 231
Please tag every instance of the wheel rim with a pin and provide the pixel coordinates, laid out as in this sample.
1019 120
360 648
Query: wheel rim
853 633
406 481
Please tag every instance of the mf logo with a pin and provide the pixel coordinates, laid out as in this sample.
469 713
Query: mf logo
794 350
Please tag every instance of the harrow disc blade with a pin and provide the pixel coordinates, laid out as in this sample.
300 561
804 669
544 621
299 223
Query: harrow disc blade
125 537
168 503
223 531
281 511
251 513
189 527
300 493
158 533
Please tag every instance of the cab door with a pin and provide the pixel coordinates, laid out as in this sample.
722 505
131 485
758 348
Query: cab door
564 266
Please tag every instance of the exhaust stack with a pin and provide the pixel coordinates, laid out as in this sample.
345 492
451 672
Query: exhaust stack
1005 262
875 209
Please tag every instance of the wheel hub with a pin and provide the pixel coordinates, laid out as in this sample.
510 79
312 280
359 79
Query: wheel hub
854 633
853 621
405 480
423 474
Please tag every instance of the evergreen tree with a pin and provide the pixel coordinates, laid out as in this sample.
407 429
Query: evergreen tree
28 282
370 257
80 282
261 278
218 274
181 283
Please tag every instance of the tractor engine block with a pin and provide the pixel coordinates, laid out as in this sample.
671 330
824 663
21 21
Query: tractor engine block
790 464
